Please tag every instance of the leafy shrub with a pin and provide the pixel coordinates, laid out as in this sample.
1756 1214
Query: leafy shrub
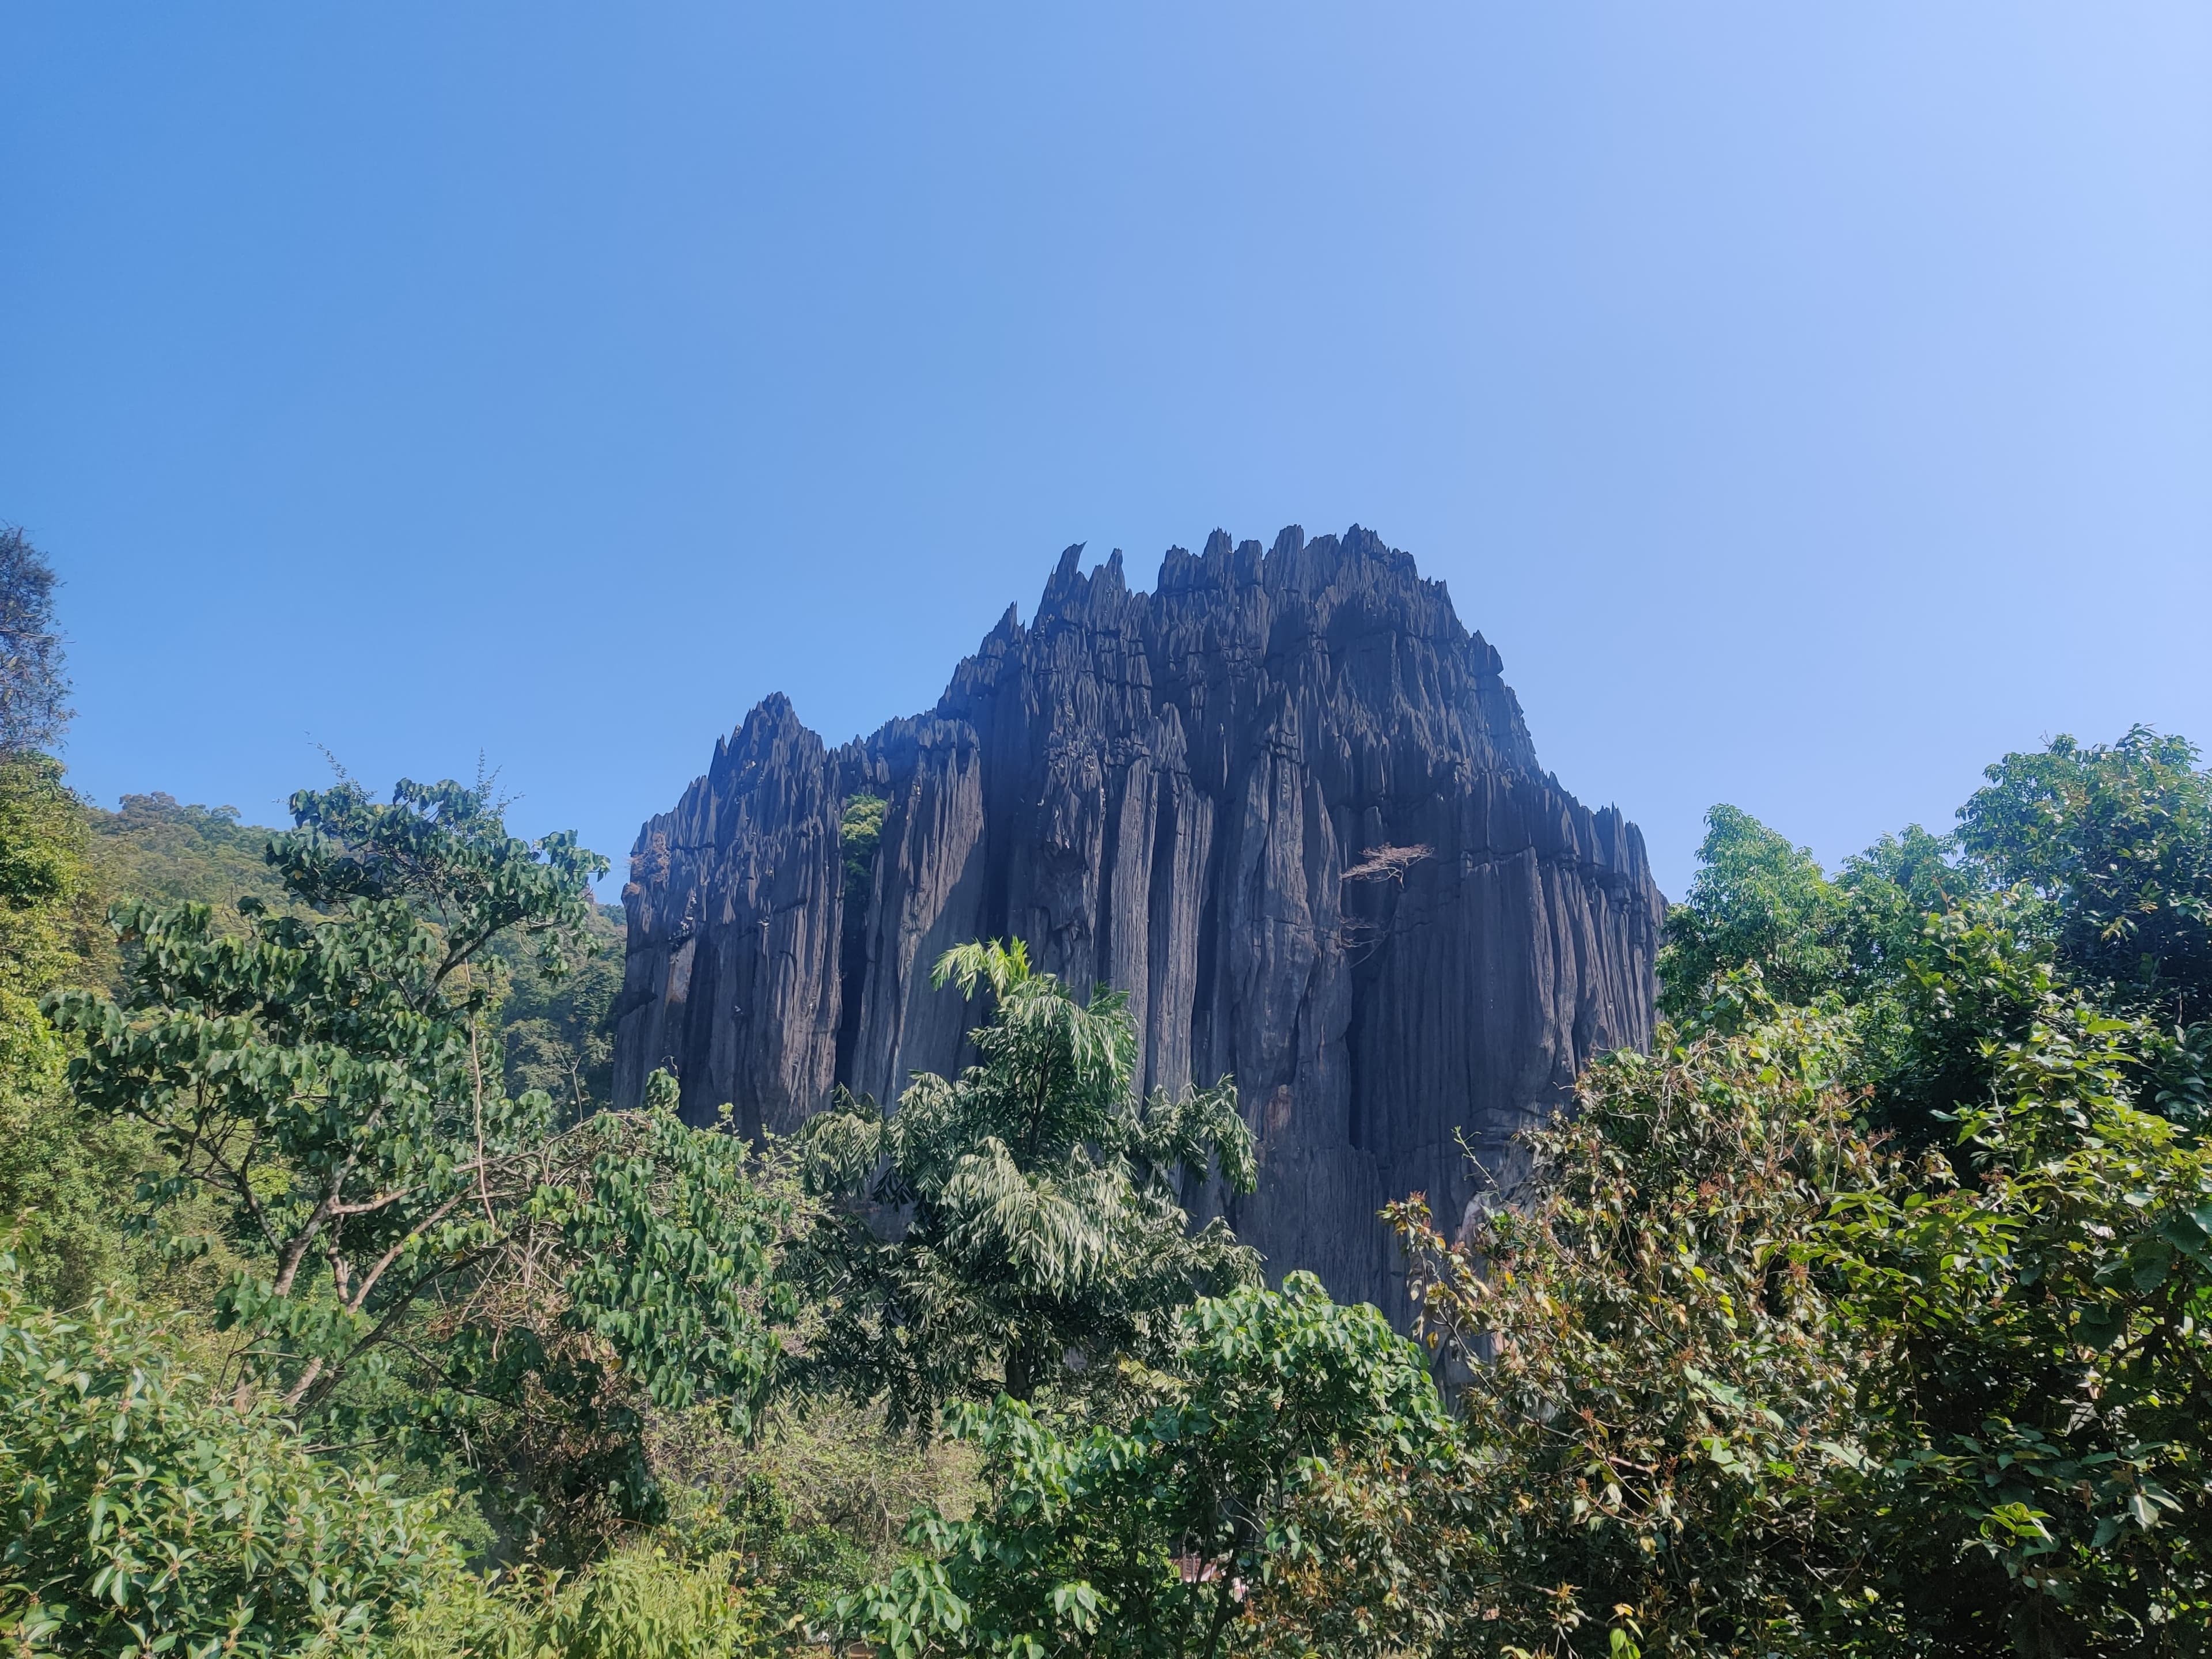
811 1507
642 1602
1664 1396
1149 1540
146 1515
861 831
1740 1381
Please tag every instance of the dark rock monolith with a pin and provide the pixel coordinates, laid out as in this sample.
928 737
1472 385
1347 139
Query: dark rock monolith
1285 801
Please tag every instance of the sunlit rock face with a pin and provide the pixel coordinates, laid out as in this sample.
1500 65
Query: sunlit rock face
1285 801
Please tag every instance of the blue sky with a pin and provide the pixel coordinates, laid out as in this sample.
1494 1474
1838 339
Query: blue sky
1810 402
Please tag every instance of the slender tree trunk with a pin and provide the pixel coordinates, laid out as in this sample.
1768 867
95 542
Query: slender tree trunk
1025 1369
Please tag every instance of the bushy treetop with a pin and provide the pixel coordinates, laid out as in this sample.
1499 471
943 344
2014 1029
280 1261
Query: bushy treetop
1034 1204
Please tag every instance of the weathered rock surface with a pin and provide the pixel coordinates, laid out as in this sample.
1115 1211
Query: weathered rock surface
1285 801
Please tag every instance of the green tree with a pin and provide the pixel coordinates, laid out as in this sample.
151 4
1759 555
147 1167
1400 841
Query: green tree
1039 1230
55 1165
1152 1542
146 1515
2111 846
2117 838
555 1025
1756 900
159 849
1740 1379
47 888
2043 1379
419 1246
1890 890
152 1512
34 690
1860 941
861 831
557 1029
69 1170
1664 1415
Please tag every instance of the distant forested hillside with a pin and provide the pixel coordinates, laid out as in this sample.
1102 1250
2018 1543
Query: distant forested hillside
153 846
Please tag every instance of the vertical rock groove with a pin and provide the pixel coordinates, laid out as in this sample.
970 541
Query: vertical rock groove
1285 801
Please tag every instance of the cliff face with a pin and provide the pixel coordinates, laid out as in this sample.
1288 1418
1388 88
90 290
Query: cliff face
1285 801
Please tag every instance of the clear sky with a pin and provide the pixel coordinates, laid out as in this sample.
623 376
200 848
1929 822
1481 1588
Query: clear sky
1810 401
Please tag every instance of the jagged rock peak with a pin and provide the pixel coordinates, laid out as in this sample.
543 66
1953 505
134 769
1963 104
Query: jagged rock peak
1285 799
1292 564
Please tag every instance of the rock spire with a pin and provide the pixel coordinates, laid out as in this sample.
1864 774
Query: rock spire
1285 801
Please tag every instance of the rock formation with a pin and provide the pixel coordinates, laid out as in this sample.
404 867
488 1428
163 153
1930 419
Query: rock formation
1285 801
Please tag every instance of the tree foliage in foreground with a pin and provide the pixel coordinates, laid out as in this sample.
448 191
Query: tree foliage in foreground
1663 1388
1151 1540
2099 856
1874 1325
1748 1382
145 1515
419 1248
69 1170
554 1025
2106 849
150 1512
1036 1202
2116 839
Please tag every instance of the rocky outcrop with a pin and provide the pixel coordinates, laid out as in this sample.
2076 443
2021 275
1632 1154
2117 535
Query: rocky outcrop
1285 801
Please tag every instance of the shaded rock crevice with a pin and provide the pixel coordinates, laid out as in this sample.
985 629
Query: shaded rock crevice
1285 801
